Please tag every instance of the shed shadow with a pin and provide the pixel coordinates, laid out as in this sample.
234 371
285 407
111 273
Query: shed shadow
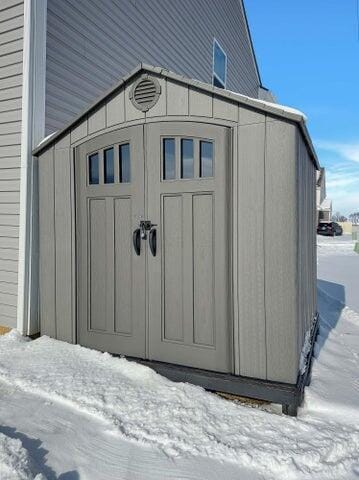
331 301
38 455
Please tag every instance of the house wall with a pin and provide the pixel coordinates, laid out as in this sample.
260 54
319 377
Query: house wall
91 45
11 53
265 200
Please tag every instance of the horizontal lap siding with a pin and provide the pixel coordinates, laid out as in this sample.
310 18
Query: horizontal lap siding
11 46
91 45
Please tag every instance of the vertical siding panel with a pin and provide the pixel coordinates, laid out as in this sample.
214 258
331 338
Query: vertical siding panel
200 103
115 110
177 99
225 109
79 132
281 241
47 244
307 241
252 333
97 121
63 228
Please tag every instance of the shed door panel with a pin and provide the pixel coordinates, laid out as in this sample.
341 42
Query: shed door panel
189 321
111 277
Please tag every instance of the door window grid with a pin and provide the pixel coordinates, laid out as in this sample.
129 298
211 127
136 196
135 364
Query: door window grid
110 165
93 168
187 158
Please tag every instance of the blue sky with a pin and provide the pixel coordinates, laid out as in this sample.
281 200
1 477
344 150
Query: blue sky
308 55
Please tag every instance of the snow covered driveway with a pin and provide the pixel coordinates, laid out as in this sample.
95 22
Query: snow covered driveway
81 414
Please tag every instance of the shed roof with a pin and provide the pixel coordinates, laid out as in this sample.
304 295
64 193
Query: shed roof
261 105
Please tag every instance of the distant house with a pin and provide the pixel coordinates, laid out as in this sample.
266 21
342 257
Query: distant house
324 204
325 212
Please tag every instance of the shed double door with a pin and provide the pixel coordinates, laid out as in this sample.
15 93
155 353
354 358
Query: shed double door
163 297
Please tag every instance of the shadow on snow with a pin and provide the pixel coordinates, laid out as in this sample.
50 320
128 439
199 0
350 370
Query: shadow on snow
38 455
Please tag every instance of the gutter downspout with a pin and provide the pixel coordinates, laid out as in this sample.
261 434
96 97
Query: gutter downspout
32 131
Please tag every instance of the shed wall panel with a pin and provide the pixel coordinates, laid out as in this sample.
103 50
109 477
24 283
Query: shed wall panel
11 46
307 241
93 44
56 220
47 244
252 331
280 234
63 254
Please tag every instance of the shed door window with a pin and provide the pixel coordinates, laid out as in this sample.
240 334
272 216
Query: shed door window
219 65
111 165
169 159
187 158
109 171
94 171
206 159
125 163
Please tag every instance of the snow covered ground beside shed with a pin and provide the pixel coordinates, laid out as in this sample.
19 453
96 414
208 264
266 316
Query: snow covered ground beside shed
86 415
15 462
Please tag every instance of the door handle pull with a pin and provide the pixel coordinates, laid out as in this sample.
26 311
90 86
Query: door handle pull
152 239
136 239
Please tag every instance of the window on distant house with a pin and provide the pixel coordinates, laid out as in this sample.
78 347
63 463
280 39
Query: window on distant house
219 65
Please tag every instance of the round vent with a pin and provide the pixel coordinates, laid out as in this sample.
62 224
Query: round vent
145 92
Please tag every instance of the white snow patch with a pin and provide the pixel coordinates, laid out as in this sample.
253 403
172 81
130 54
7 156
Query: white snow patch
328 246
15 462
180 419
305 351
45 139
104 403
276 106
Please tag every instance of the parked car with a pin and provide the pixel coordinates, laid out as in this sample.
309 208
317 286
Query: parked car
330 229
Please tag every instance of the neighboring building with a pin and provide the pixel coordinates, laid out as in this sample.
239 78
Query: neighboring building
324 204
56 58
325 210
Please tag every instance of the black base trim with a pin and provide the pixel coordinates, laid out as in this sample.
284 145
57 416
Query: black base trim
290 396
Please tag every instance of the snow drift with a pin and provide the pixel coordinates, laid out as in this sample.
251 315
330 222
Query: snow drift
180 419
15 462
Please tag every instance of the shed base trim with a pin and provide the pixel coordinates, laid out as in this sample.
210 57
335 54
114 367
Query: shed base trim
290 396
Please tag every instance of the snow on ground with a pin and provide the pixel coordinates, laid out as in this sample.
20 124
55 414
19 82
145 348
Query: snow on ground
15 462
86 415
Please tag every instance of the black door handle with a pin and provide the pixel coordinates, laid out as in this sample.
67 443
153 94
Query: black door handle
152 239
136 239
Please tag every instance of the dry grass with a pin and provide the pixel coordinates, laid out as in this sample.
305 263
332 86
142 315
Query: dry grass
246 400
4 330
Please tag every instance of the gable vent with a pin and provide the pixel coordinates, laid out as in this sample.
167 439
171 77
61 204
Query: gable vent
145 93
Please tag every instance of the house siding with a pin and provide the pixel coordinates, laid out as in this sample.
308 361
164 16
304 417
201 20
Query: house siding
11 46
90 45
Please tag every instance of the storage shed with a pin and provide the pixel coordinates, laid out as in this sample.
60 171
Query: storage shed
177 227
